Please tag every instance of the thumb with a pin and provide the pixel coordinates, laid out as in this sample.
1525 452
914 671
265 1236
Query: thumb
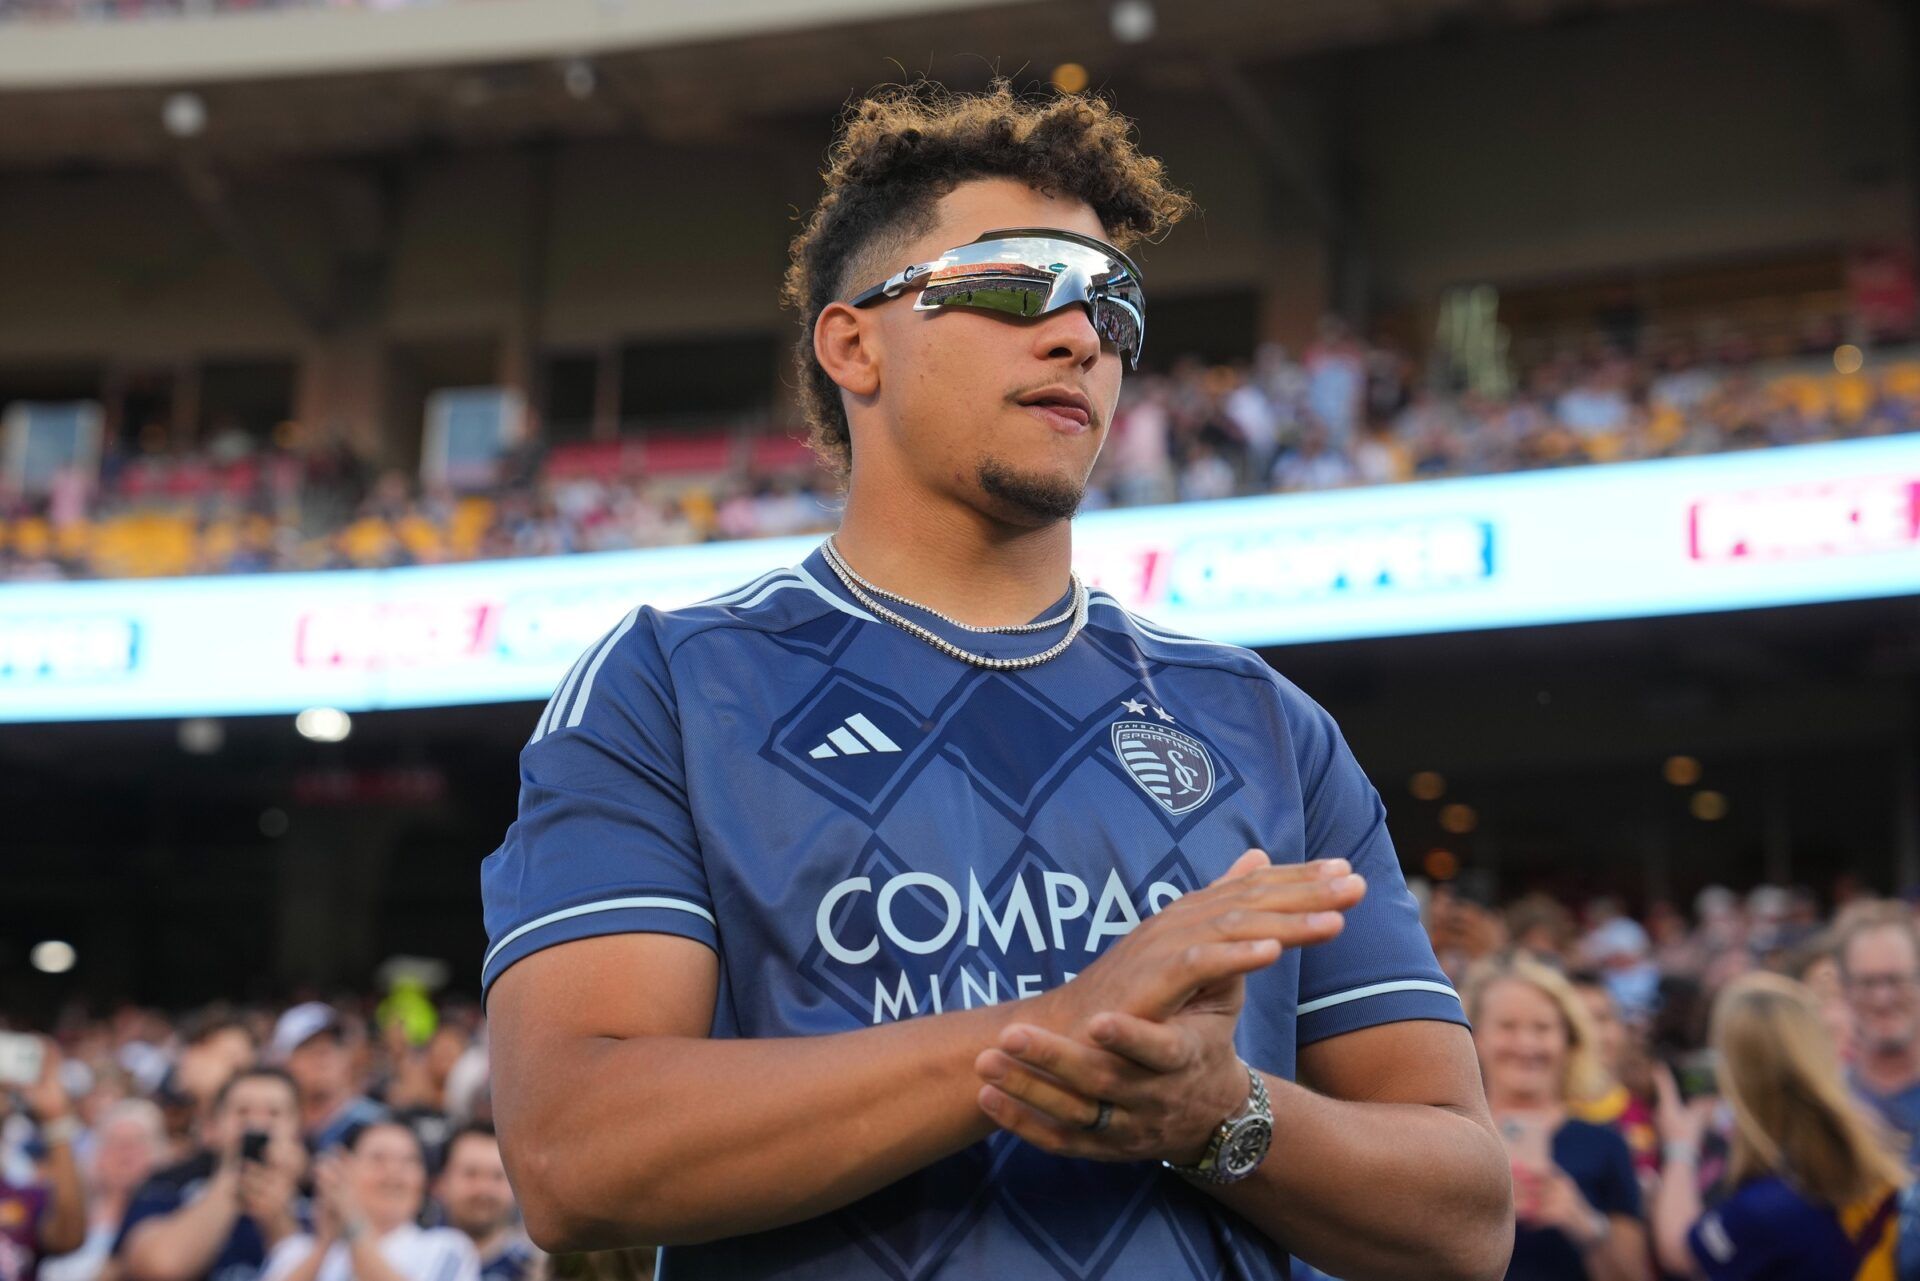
1251 861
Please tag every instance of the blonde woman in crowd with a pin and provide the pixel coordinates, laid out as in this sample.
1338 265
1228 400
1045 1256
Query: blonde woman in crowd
1813 1182
1576 1200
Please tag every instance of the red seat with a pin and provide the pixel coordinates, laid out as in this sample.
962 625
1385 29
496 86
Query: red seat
584 458
686 453
780 452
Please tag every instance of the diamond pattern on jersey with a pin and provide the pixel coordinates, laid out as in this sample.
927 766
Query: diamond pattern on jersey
1010 741
824 638
869 734
1035 1186
975 774
912 1227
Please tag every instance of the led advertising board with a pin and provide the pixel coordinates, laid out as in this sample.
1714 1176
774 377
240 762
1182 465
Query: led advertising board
1771 527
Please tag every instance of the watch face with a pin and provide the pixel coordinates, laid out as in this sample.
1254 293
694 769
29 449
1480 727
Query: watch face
1245 1147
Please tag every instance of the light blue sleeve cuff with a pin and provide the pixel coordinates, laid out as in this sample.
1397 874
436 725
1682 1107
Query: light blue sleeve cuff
1389 1001
636 914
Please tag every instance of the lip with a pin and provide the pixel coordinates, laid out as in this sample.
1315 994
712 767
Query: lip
1064 409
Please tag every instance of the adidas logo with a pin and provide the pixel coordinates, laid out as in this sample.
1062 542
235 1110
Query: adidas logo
856 736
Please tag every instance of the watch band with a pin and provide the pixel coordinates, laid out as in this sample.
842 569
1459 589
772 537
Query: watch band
1255 1116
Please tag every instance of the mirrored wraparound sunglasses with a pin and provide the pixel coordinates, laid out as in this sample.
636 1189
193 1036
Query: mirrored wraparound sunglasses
1027 272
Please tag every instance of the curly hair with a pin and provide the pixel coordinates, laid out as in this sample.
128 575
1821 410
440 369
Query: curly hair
902 149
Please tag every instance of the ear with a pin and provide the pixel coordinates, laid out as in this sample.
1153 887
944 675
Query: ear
845 343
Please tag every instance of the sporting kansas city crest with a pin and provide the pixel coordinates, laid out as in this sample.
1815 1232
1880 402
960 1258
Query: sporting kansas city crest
1171 767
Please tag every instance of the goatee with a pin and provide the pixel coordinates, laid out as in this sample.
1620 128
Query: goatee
1045 498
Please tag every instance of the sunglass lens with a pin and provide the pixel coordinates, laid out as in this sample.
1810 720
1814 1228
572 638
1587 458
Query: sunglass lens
1011 297
1115 322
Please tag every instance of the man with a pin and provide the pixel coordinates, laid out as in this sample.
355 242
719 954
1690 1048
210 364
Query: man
854 926
478 1200
215 1047
216 1215
310 1040
47 1216
1880 972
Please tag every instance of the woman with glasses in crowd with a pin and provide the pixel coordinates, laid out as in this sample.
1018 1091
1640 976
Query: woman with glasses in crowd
1576 1200
1813 1182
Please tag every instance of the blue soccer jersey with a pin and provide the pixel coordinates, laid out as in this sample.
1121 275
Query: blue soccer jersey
865 829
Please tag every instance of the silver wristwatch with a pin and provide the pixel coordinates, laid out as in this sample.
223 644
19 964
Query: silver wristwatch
1240 1144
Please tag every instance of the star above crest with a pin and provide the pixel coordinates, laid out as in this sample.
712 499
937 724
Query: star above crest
1135 706
1163 714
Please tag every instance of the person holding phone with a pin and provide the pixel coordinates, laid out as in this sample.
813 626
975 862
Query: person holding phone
48 1216
1576 1199
1812 1176
214 1216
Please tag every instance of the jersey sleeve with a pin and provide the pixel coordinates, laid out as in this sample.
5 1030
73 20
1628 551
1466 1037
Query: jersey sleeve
605 841
1727 1246
1381 967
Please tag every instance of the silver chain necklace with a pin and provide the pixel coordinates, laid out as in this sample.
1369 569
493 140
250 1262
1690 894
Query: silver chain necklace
866 593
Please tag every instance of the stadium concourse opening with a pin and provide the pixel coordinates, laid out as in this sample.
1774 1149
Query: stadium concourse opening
1644 759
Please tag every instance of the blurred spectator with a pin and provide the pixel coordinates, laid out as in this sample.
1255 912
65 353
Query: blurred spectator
1619 947
215 1047
368 1196
310 1041
1576 1197
42 1212
1346 414
1336 366
216 1215
129 1141
1541 927
473 1191
1620 1107
1811 1190
1879 960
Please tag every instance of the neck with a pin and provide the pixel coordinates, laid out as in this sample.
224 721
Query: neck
1887 1069
955 559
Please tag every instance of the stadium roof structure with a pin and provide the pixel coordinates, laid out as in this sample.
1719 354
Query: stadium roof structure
330 80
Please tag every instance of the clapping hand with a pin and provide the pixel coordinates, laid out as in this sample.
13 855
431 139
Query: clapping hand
336 1213
47 1097
1134 1060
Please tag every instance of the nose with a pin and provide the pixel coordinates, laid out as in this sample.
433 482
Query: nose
1067 334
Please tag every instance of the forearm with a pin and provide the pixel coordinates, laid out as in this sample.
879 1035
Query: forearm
1448 1212
183 1244
63 1228
665 1140
1676 1208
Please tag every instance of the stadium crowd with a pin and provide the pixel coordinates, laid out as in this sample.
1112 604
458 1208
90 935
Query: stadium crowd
1338 414
316 1143
1731 1092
